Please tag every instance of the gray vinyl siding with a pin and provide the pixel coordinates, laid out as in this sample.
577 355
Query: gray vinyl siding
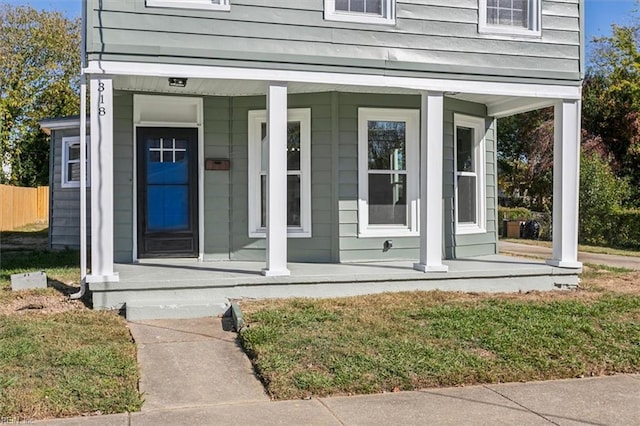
317 248
123 178
459 246
430 37
217 213
64 203
353 248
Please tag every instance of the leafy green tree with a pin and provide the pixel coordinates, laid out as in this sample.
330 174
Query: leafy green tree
601 194
525 157
611 101
39 67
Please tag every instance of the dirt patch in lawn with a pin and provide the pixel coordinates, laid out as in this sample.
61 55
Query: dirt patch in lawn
47 301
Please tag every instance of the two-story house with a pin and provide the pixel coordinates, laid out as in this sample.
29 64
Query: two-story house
294 132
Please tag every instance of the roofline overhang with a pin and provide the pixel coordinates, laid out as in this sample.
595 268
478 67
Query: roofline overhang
569 91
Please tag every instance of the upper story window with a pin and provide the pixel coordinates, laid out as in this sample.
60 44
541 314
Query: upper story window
71 162
388 162
191 4
470 170
298 173
514 17
363 11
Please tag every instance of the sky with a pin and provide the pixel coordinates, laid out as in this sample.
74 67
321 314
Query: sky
599 14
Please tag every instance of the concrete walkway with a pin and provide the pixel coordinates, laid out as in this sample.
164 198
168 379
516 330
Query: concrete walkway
593 258
194 373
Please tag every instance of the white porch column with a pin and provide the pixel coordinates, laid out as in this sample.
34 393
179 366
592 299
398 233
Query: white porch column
101 180
276 180
431 146
566 179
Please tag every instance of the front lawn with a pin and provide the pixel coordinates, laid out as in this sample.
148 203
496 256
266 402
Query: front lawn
57 357
66 364
391 342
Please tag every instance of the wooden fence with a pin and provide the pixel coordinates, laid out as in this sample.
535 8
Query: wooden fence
22 206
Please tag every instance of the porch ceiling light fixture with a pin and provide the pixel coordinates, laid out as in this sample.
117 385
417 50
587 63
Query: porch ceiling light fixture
177 82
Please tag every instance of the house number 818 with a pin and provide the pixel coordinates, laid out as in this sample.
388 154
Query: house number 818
101 109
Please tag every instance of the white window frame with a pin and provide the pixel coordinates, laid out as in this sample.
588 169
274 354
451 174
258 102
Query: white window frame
256 118
535 16
388 16
190 4
412 119
478 126
66 143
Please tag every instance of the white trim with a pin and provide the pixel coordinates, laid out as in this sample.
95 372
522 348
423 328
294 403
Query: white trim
190 4
566 181
65 182
388 16
260 74
431 178
102 207
255 119
276 243
477 124
535 14
411 117
142 103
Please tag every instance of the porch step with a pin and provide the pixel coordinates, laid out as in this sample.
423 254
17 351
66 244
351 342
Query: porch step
138 311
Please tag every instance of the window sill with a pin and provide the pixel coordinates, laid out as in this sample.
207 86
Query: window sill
470 229
72 185
291 233
359 18
385 232
506 31
194 4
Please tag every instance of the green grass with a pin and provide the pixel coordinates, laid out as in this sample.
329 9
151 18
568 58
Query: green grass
581 247
407 341
66 364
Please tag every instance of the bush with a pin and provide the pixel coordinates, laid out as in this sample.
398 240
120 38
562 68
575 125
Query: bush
627 235
514 213
601 195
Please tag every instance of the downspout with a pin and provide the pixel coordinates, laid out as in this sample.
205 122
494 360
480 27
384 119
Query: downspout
83 157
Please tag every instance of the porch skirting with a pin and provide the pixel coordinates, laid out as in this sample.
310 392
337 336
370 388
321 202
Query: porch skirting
187 288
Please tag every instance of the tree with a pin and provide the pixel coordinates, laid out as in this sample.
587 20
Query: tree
525 157
601 195
611 101
40 62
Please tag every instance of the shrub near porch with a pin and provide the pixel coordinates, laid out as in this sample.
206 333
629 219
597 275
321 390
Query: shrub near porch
392 342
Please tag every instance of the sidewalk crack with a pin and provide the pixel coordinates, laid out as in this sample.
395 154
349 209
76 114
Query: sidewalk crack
520 405
335 416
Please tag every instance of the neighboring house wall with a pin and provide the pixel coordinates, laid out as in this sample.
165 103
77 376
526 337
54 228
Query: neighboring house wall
64 215
334 180
430 37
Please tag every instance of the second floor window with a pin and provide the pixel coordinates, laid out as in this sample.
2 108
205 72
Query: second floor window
515 17
362 11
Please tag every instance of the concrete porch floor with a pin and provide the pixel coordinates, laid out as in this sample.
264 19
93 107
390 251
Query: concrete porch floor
174 288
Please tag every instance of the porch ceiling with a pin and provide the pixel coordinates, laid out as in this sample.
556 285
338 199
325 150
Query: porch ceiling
497 105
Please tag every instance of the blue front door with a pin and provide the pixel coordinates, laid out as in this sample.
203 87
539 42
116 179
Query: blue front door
167 192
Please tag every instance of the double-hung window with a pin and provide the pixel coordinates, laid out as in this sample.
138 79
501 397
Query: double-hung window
469 180
388 161
298 173
515 17
71 162
191 4
363 11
